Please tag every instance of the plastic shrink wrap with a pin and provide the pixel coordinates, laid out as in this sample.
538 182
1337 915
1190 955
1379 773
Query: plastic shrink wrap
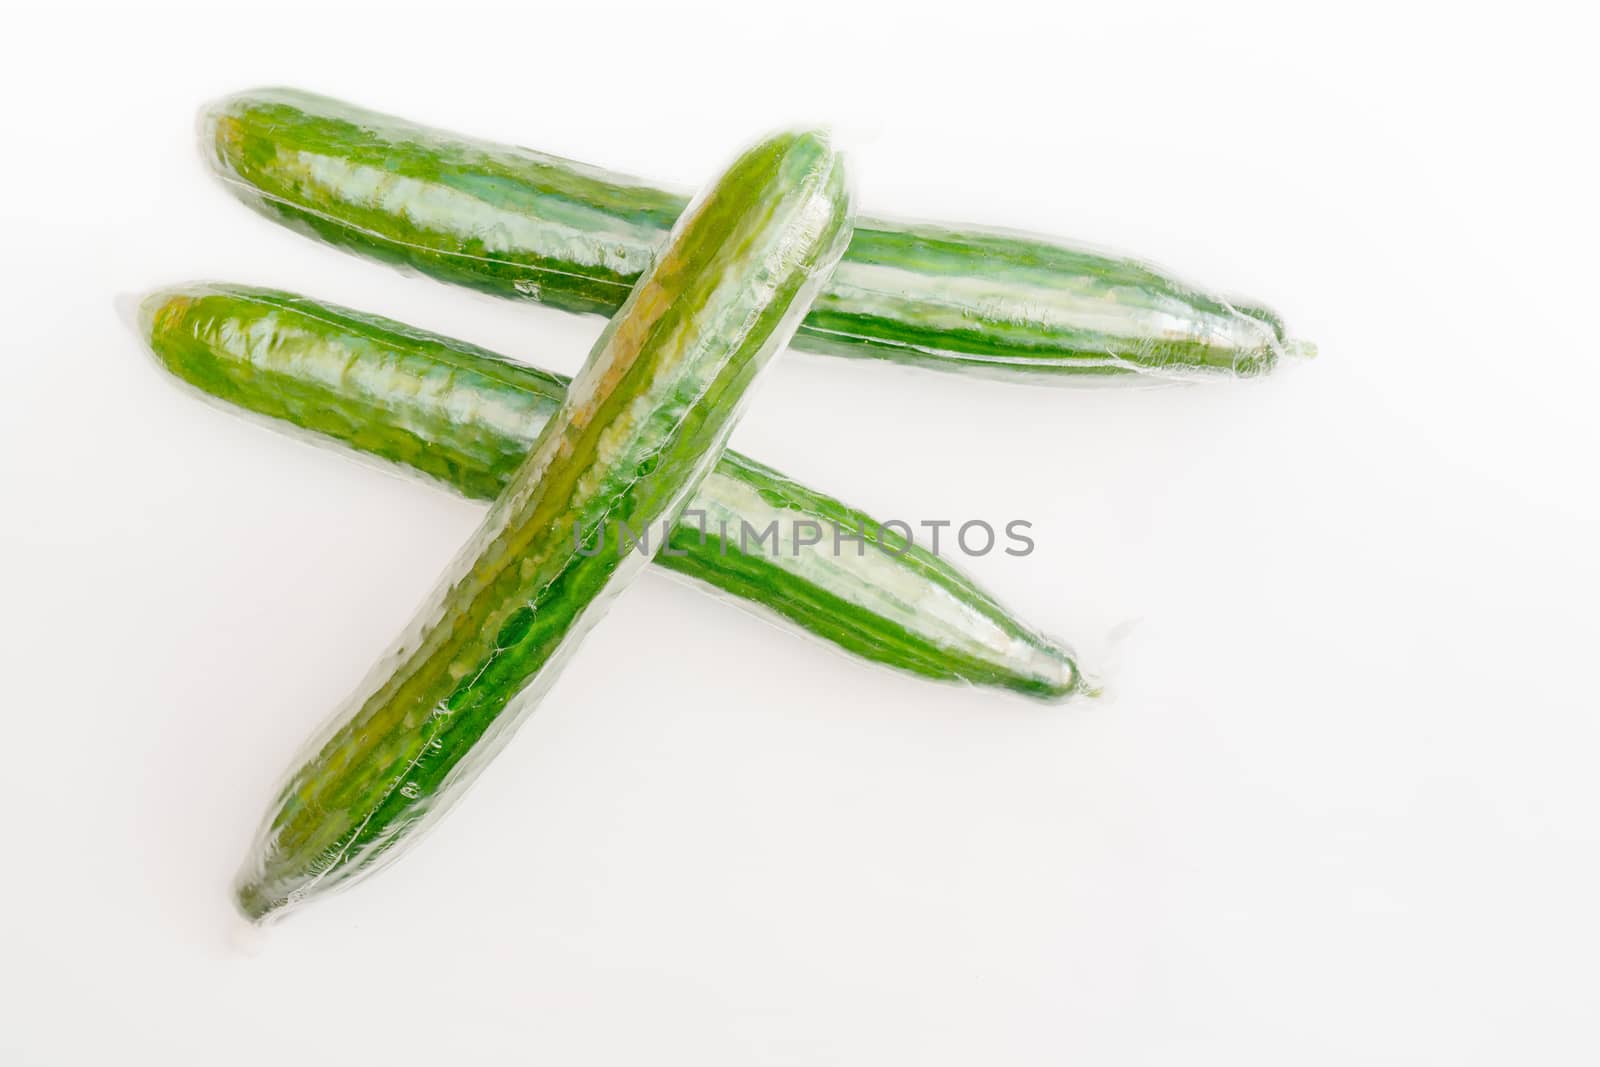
524 225
465 418
640 426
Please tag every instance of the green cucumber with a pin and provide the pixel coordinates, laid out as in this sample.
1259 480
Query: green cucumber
523 225
640 426
466 418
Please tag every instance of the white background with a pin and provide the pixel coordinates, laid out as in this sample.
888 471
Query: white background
1342 809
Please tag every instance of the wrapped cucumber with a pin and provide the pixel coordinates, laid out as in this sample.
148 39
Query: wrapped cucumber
524 225
640 426
466 418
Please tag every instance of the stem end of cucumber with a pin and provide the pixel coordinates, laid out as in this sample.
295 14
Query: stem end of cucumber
256 904
142 313
1057 677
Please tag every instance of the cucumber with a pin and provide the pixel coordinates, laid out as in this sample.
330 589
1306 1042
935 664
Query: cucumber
529 226
640 425
466 418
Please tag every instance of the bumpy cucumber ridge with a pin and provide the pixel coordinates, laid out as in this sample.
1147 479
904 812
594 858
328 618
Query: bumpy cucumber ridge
524 225
466 418
640 426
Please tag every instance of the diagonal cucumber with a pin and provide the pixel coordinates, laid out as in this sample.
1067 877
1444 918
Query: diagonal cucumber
466 418
641 425
524 225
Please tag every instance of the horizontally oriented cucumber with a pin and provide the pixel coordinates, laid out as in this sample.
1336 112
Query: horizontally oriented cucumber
519 224
467 417
640 426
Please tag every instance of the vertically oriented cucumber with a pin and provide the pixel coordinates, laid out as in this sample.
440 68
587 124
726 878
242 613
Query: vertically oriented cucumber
524 225
642 423
466 418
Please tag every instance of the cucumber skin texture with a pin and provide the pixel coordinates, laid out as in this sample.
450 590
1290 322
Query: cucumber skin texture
466 417
523 225
642 423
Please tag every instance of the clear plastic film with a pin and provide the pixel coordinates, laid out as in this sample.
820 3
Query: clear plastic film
591 479
638 429
528 226
465 418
